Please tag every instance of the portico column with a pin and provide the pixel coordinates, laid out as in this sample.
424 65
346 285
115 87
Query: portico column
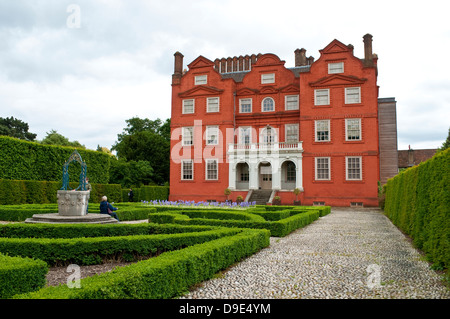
276 173
299 174
253 175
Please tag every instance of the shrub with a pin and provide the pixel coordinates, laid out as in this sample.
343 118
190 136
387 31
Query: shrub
166 276
20 275
418 202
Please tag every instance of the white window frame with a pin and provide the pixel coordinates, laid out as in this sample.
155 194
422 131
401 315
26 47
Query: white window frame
335 67
209 104
208 161
267 78
349 159
350 94
208 132
316 126
183 162
262 104
243 135
328 168
286 129
291 105
241 102
266 138
347 129
201 79
319 96
184 106
184 139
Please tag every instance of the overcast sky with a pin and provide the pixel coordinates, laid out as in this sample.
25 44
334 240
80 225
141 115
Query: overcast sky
82 67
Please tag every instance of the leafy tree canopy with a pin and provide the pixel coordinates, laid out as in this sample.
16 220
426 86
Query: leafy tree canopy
13 127
54 138
149 141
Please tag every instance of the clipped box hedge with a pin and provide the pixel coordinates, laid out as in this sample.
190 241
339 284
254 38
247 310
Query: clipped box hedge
20 275
280 224
93 250
417 201
167 276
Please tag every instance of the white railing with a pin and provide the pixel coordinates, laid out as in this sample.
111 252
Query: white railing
266 146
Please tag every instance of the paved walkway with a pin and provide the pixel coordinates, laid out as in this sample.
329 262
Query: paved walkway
350 253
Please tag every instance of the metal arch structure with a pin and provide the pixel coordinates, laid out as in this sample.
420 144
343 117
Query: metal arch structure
75 157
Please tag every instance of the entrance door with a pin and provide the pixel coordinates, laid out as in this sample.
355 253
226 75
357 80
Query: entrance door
265 176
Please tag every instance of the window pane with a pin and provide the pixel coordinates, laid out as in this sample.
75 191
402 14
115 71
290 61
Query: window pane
211 169
268 78
188 136
188 106
322 131
212 104
292 133
322 168
292 102
352 95
321 97
201 79
246 105
212 133
268 104
336 67
353 129
353 168
187 170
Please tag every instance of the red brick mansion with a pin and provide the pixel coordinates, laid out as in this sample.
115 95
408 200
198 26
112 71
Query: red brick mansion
260 129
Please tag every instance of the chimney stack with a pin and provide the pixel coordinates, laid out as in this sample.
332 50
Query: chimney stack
368 56
300 57
178 68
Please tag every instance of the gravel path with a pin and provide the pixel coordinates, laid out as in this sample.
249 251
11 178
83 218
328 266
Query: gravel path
349 254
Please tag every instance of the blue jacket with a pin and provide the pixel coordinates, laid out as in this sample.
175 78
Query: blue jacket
104 207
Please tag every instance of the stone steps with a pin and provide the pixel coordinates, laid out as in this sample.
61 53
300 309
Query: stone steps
260 196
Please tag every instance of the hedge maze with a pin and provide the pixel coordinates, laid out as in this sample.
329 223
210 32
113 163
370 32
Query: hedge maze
176 249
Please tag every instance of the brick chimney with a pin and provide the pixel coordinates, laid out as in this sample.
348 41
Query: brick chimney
300 57
178 68
368 56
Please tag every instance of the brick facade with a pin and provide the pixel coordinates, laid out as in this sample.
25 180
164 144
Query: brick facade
248 123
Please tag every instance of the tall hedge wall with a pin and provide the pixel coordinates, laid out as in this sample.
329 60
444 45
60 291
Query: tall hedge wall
22 160
43 192
418 202
147 193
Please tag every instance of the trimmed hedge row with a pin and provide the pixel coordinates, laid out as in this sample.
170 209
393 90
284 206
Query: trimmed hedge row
21 275
418 202
167 276
22 160
91 251
280 225
16 192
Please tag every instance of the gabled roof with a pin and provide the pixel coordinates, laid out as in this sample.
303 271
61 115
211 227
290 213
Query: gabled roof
200 62
335 46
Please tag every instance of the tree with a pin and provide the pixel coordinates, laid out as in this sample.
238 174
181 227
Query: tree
54 138
13 127
146 140
130 174
446 144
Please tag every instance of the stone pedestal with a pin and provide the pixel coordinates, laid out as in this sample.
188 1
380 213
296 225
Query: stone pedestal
72 203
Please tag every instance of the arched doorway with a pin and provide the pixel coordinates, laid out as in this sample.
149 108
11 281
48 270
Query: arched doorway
288 175
242 176
265 175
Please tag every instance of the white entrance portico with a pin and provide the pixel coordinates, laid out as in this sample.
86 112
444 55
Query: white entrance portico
276 166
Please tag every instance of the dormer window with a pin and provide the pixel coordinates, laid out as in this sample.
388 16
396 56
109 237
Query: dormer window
267 78
337 67
201 79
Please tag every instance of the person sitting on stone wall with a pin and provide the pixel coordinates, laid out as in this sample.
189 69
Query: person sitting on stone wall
107 208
